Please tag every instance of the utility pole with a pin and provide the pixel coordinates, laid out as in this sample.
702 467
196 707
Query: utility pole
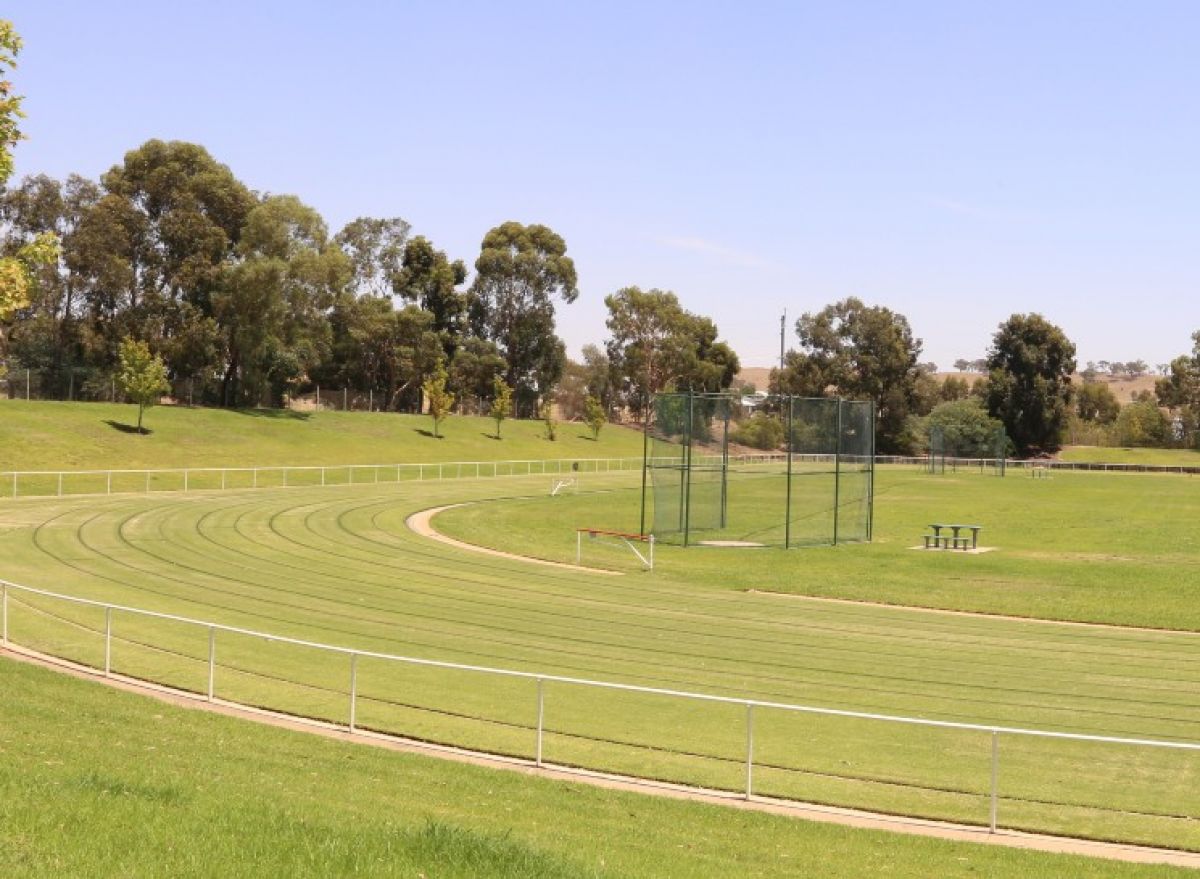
782 331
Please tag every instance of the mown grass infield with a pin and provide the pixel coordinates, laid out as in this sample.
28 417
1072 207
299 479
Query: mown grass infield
337 565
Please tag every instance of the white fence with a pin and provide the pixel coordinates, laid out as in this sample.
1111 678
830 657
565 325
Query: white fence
49 483
19 595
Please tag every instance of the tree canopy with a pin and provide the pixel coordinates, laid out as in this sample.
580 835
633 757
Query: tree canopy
1030 365
656 345
520 271
850 349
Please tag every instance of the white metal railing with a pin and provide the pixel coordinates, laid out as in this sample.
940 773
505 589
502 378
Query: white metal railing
52 483
993 731
49 483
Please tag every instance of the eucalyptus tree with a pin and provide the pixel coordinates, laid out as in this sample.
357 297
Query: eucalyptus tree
272 301
520 272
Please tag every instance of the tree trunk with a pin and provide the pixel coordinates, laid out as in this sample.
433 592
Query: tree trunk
141 409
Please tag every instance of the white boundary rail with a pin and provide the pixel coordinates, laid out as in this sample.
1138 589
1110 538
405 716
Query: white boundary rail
995 732
51 483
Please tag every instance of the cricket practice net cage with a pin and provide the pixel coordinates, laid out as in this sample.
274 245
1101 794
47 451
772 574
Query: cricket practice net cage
814 485
967 449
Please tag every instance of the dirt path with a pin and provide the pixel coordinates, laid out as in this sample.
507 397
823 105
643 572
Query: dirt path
805 811
422 523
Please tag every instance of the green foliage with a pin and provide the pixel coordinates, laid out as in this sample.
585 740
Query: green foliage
440 400
656 346
594 415
429 279
375 248
859 352
967 429
955 388
1179 391
502 395
1096 402
474 367
759 431
549 419
10 104
1029 386
1142 423
142 376
520 270
273 302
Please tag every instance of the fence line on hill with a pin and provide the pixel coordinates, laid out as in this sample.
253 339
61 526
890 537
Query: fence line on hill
50 483
8 640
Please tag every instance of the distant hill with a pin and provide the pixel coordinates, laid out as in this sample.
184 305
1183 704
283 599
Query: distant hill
759 376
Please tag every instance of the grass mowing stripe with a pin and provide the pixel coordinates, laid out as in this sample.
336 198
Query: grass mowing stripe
934 682
1070 708
719 641
550 729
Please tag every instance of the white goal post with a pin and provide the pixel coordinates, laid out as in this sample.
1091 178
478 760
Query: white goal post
629 540
564 485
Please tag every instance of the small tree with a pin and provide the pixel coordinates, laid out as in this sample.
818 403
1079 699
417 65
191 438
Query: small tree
593 414
549 419
501 402
142 376
441 401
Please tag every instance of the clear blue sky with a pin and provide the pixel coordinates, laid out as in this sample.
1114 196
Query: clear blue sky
954 161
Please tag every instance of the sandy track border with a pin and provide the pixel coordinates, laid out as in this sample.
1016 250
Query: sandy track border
421 522
804 811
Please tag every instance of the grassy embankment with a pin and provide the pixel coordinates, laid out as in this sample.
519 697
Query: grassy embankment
1107 455
182 793
49 436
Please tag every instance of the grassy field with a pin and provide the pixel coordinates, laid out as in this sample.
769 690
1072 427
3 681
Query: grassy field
48 436
338 565
1105 455
1091 547
183 793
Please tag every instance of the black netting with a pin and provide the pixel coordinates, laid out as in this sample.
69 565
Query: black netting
794 472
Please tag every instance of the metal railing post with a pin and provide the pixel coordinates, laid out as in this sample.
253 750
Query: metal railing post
60 477
254 478
107 641
147 482
186 474
749 749
322 476
353 687
995 781
108 483
222 480
212 662
4 614
285 485
541 714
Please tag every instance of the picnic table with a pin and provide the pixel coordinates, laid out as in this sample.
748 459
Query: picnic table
955 540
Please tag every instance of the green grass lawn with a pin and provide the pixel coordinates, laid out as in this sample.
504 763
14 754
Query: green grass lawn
1104 455
174 792
48 436
1090 547
338 565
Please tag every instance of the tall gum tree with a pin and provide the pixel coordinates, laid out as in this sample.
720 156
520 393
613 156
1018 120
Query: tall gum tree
520 271
1030 365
